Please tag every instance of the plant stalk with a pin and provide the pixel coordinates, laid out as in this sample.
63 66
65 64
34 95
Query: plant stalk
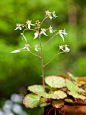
42 65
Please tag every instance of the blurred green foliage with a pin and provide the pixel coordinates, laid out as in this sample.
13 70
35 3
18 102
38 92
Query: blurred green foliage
23 69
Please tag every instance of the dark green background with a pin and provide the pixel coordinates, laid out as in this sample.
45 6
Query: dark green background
23 69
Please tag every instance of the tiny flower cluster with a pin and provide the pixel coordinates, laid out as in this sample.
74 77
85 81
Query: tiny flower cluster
49 14
63 32
27 47
64 46
28 25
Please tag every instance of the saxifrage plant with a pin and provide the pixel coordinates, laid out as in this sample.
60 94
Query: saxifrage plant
61 88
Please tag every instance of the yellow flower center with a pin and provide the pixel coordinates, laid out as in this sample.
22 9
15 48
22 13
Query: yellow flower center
43 30
28 22
50 28
47 12
35 46
26 45
18 25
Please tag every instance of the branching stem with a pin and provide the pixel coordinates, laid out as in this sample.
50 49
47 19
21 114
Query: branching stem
50 39
51 59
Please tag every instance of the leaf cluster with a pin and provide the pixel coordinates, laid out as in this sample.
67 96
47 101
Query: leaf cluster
62 89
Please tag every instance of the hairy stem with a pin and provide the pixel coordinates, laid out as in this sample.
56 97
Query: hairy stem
50 39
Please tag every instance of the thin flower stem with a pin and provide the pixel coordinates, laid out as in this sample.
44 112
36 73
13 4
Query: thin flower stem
35 54
42 65
43 19
51 59
32 53
50 39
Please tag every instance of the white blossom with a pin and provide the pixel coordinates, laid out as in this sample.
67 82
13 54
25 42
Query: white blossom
61 47
50 29
36 47
64 32
49 14
26 47
29 23
43 30
18 27
60 32
36 35
66 49
54 15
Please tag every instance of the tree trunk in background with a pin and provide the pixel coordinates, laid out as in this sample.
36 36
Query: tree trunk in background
72 13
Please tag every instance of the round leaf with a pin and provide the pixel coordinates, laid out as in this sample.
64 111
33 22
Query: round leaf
55 81
76 95
43 94
57 104
31 100
70 86
60 94
36 88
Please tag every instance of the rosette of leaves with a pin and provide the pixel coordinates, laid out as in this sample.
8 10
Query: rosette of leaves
61 89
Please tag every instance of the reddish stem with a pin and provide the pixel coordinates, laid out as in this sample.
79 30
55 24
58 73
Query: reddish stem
42 64
51 59
50 39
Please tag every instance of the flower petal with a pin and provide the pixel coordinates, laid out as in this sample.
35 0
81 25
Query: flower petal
15 51
29 26
36 49
27 48
25 38
62 37
44 33
36 35
16 28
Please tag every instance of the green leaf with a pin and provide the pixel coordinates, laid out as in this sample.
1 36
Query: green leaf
71 76
69 100
31 100
43 94
71 86
55 81
60 94
36 88
44 104
58 103
76 95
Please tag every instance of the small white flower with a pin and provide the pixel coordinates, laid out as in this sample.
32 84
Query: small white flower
50 29
16 51
43 30
54 15
64 32
26 47
60 32
36 47
49 14
18 27
29 23
66 49
36 35
61 47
